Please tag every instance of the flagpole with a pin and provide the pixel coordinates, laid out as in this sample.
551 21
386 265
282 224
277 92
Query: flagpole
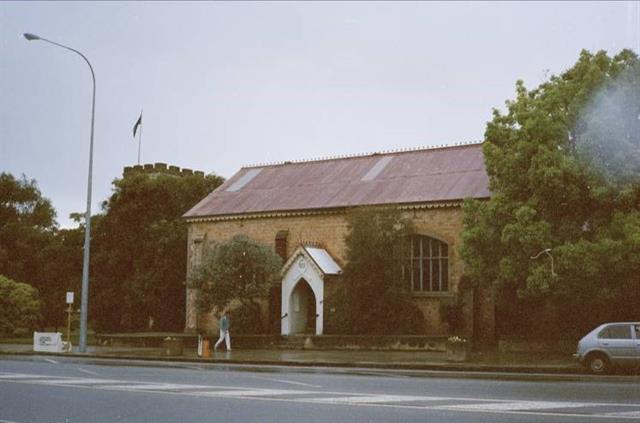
140 138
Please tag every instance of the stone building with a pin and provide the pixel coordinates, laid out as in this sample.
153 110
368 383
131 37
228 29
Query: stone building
299 209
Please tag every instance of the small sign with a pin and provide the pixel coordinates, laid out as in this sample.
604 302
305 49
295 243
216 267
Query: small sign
48 342
69 297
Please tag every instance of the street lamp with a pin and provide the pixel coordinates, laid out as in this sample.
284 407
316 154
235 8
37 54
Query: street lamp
84 300
546 251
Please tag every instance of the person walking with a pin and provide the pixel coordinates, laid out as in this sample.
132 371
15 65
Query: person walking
224 324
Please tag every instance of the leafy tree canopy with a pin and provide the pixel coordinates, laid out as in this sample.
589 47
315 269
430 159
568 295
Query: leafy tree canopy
139 251
372 297
239 269
27 221
19 306
563 163
32 249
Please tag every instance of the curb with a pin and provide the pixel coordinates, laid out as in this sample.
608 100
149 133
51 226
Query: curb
448 366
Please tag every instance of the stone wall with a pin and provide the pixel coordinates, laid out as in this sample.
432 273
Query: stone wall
328 230
524 346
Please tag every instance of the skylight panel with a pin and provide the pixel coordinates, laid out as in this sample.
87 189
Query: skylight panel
244 180
377 168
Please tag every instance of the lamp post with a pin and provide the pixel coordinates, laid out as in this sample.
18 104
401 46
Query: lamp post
546 251
84 300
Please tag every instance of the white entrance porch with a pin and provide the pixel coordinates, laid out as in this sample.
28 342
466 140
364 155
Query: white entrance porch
303 290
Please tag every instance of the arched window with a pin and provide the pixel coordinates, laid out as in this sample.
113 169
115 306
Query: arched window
428 269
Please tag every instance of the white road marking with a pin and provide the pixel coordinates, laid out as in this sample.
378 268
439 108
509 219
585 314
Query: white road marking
21 376
284 381
355 399
370 399
7 421
78 381
626 414
515 405
393 375
87 371
136 386
294 383
50 361
250 393
194 368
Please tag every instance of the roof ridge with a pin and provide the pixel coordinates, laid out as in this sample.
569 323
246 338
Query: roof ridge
357 155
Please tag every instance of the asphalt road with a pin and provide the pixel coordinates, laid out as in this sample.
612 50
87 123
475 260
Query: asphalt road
52 389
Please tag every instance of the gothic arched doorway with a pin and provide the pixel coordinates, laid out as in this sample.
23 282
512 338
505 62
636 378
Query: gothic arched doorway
302 309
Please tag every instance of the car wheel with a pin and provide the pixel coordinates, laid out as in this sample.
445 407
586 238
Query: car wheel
598 364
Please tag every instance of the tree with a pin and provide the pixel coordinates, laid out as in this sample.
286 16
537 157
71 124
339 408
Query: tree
28 235
26 226
558 181
239 269
19 306
62 272
373 297
139 253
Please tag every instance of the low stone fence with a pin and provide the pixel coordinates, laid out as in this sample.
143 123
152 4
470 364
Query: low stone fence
373 342
526 346
311 342
144 340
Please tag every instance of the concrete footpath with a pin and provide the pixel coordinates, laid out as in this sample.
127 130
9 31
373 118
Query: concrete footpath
405 360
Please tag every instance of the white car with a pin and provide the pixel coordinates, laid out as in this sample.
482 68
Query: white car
610 344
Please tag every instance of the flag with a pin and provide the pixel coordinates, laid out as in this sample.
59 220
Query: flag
138 123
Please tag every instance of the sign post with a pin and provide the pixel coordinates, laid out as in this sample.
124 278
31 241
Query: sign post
69 311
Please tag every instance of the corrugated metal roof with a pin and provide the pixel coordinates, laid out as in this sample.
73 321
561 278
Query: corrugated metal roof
421 176
244 180
324 260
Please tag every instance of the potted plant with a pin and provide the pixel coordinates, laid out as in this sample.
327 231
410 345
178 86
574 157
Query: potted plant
172 346
458 348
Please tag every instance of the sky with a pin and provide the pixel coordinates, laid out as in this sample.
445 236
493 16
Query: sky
226 84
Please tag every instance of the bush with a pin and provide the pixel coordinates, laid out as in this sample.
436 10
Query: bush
239 269
244 321
372 297
19 306
391 315
451 312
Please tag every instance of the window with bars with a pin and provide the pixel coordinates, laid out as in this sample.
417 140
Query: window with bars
428 265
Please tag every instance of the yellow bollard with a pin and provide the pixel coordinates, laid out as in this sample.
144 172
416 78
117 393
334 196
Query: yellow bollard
205 349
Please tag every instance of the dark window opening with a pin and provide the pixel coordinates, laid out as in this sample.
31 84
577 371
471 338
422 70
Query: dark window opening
428 267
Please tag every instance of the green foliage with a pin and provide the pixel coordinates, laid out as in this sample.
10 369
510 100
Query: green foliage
26 227
139 252
62 270
452 312
239 269
19 306
245 321
30 243
564 172
372 296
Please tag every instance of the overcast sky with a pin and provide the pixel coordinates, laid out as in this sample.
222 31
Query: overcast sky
224 85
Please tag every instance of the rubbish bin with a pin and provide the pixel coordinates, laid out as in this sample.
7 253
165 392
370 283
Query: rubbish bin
458 349
206 352
172 346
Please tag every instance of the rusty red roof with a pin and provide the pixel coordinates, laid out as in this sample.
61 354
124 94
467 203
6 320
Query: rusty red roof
419 176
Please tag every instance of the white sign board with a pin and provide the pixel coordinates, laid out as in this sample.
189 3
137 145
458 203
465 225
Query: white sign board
48 342
69 297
